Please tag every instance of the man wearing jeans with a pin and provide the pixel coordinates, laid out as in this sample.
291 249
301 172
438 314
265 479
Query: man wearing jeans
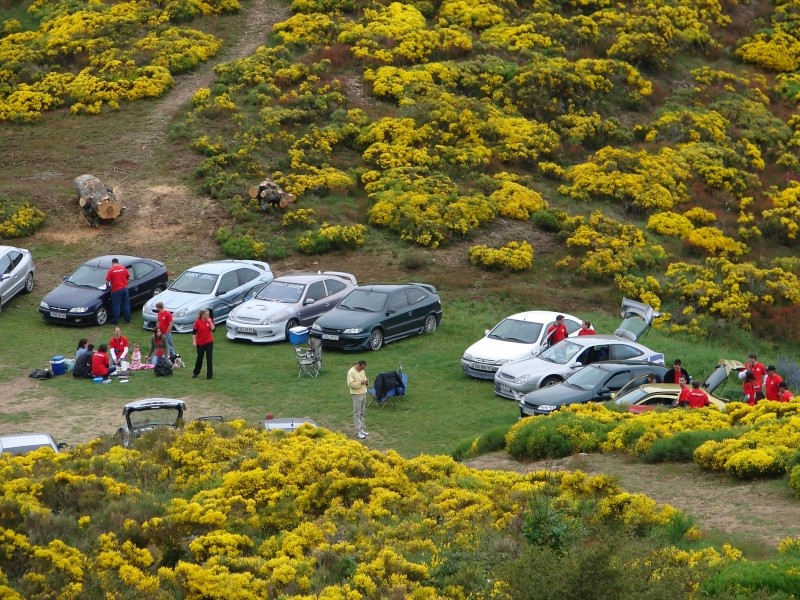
165 325
118 276
357 382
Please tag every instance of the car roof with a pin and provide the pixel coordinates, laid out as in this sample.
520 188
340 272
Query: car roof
610 365
105 260
4 249
540 316
588 340
222 266
154 403
311 277
390 287
25 441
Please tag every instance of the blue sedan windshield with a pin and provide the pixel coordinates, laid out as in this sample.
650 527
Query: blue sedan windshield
86 276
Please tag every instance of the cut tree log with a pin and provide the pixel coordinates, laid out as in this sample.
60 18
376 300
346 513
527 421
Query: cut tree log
269 195
96 200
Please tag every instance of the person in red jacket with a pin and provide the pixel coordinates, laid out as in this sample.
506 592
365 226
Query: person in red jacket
683 397
118 347
750 388
759 372
556 332
203 340
694 397
771 383
785 395
101 365
117 277
586 328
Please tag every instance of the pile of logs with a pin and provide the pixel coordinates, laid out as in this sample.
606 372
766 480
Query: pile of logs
270 195
96 200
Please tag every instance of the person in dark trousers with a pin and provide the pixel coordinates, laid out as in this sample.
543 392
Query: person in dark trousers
203 340
676 372
117 277
83 363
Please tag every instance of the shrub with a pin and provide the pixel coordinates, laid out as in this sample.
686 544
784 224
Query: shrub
19 219
514 256
554 436
547 220
489 441
332 237
681 446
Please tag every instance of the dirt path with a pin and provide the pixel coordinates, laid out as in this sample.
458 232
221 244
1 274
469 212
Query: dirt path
764 510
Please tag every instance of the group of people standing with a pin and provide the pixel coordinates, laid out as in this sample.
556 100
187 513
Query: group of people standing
558 331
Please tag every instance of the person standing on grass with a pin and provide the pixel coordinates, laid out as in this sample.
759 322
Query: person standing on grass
203 340
771 383
759 372
118 276
165 325
750 389
357 382
676 372
556 332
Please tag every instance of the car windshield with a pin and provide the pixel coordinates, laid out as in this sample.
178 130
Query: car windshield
514 330
88 276
634 324
631 397
153 417
194 282
365 300
562 352
282 291
587 378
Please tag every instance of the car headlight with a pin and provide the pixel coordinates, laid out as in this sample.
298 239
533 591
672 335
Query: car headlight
44 305
468 357
182 312
353 330
316 327
502 361
522 378
547 407
78 309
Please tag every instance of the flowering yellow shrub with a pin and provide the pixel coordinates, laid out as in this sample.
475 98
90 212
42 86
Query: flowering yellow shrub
700 216
713 241
514 256
332 237
517 201
786 208
306 29
19 219
299 217
776 51
670 223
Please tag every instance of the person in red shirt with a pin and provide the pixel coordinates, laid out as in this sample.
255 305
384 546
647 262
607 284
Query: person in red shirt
165 323
117 277
586 328
694 396
101 366
784 394
771 383
203 340
118 347
676 372
750 388
759 372
556 332
683 397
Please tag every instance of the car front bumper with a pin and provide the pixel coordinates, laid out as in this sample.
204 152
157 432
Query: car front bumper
478 370
276 332
349 342
510 390
68 318
182 325
526 410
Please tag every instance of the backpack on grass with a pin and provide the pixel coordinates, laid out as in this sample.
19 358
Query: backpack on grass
163 367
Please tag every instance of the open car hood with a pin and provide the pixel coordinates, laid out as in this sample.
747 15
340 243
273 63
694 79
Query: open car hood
637 317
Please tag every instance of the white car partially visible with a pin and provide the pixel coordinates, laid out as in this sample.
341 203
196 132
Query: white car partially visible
16 273
518 336
28 442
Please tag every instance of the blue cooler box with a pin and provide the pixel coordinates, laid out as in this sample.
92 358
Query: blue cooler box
58 365
298 335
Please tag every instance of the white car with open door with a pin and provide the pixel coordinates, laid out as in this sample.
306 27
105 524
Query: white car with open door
515 379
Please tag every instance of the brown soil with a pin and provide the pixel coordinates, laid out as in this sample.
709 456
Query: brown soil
763 510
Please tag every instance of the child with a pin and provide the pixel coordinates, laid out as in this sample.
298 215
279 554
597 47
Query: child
136 358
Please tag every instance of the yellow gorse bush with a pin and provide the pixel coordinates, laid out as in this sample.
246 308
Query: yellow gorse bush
19 219
514 256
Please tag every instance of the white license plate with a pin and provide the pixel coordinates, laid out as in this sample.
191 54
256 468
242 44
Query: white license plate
329 336
504 388
56 315
482 367
528 411
246 330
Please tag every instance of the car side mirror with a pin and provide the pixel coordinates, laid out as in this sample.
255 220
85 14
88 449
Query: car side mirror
308 301
391 311
577 365
62 445
63 278
5 276
605 392
487 331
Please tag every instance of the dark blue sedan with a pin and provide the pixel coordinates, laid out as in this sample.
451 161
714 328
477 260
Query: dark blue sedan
85 298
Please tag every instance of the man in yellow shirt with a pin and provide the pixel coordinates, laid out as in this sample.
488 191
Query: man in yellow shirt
357 382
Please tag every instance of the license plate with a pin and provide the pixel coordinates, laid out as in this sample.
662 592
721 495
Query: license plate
329 336
246 330
504 388
528 411
57 315
482 367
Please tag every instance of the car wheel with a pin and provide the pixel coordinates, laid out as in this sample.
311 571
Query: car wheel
158 289
101 318
376 340
430 324
552 380
29 283
291 323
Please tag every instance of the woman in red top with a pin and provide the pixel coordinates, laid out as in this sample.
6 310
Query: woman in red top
750 388
203 340
586 328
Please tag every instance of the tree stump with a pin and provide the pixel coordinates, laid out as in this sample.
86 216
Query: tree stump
270 195
96 200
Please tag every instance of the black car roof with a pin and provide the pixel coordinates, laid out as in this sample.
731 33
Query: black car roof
105 260
390 287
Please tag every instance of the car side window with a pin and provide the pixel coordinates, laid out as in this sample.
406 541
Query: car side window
659 401
572 326
316 291
16 258
246 275
398 300
415 295
594 354
140 270
624 352
5 264
618 380
334 286
229 281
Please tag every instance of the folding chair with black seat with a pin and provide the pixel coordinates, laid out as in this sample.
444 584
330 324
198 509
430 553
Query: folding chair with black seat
308 362
388 385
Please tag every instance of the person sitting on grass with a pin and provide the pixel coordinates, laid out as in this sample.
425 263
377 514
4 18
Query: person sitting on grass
101 364
83 363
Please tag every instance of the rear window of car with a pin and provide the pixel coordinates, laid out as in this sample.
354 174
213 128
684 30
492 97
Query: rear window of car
415 295
141 270
246 275
334 286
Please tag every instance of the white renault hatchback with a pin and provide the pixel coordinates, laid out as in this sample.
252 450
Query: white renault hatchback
518 336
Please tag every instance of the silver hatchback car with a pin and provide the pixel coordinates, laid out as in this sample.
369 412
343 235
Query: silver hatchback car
16 273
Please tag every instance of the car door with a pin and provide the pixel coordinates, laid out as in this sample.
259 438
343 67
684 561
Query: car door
138 289
418 300
225 295
315 302
397 319
614 383
10 280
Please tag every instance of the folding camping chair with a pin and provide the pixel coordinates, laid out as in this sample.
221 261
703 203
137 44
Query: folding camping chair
388 385
309 360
